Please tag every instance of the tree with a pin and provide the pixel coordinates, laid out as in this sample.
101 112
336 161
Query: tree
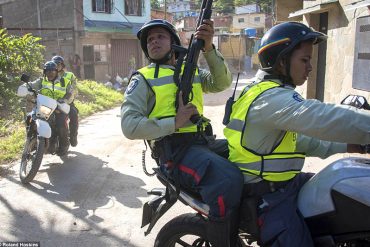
224 6
154 4
17 55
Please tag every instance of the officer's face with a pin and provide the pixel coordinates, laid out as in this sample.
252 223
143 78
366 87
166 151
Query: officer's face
51 74
158 42
300 63
59 67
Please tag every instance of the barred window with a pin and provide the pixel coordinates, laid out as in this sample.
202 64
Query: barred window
102 6
133 7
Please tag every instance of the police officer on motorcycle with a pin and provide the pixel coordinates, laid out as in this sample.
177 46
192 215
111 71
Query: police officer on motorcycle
73 113
149 112
272 128
60 89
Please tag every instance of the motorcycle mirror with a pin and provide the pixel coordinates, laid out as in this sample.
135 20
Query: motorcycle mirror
23 91
356 101
25 78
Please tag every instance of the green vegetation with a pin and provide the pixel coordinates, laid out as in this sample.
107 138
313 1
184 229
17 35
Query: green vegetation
24 55
93 97
17 55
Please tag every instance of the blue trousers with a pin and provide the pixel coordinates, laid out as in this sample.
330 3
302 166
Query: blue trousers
219 182
282 223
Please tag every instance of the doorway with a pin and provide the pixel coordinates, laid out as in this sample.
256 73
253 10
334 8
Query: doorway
321 60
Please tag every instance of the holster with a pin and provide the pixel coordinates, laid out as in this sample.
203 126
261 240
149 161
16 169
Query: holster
172 148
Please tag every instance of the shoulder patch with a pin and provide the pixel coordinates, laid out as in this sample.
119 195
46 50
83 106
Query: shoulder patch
298 97
133 84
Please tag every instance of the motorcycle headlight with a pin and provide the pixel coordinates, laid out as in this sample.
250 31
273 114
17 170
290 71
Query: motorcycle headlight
44 110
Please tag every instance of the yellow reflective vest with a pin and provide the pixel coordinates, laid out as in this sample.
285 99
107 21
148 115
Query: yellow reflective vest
281 164
165 89
68 75
55 90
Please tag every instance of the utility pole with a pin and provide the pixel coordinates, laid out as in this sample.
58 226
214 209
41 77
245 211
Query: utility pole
165 9
38 17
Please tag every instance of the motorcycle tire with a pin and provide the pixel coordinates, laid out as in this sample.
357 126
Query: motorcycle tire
32 155
184 230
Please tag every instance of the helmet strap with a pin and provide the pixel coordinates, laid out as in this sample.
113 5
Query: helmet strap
164 59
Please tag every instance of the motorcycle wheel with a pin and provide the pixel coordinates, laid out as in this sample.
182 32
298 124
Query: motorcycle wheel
32 155
184 230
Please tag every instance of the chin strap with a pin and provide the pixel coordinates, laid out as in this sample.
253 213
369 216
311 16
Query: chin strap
164 59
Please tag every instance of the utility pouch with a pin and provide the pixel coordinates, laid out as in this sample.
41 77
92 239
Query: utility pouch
162 150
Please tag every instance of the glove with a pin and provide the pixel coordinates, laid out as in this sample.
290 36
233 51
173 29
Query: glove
366 148
61 101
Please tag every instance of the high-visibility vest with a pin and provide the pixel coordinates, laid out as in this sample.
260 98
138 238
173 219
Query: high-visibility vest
281 164
56 90
68 75
165 89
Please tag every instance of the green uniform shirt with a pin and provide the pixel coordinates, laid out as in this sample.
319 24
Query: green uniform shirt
323 129
139 100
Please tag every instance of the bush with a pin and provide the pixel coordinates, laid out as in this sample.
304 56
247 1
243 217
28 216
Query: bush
92 97
17 55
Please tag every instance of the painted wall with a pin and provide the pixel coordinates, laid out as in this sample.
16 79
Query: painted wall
116 16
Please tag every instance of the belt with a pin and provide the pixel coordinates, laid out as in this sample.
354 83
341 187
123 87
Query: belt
263 187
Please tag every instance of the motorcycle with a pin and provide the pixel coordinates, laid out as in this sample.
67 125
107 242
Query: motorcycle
335 204
42 135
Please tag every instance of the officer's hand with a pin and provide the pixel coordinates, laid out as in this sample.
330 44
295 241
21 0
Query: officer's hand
205 32
356 148
184 112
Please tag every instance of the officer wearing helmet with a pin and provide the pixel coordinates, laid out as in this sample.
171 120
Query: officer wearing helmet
149 112
59 88
272 128
73 113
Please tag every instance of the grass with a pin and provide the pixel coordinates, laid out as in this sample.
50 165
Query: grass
92 97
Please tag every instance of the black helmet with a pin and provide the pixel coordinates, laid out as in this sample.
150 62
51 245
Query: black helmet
50 66
58 60
281 39
142 35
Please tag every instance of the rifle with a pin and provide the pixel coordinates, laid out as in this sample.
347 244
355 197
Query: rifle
185 83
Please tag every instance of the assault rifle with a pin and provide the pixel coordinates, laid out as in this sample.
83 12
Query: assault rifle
185 83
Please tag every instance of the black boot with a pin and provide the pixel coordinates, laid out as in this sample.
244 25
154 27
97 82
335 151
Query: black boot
73 139
218 232
234 227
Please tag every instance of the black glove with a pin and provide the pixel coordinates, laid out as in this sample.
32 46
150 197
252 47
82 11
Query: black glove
366 148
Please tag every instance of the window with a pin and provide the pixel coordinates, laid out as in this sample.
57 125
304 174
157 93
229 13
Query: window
133 7
361 65
102 6
241 20
100 53
257 19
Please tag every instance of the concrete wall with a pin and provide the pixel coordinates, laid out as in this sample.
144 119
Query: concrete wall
23 13
284 7
249 21
340 52
116 15
45 18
